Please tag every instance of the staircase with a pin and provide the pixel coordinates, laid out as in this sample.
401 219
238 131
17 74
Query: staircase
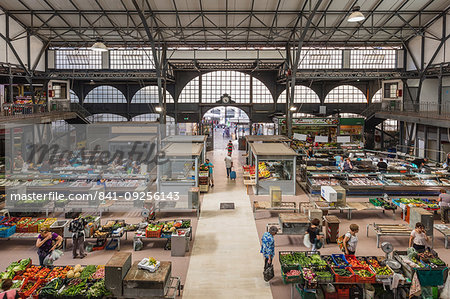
370 113
82 114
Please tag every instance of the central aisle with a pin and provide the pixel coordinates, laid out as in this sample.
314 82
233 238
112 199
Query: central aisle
225 260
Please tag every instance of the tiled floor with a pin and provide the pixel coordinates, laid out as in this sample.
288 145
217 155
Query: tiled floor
225 260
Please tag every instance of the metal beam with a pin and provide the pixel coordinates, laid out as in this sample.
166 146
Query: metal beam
296 62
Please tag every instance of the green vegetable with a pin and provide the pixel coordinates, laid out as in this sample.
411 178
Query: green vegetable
295 258
98 289
76 287
437 262
316 260
343 272
52 287
88 271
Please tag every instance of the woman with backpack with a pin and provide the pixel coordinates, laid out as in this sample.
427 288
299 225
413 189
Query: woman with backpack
351 240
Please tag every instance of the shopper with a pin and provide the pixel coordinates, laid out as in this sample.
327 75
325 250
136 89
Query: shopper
46 243
314 234
348 166
228 164
310 152
230 147
382 166
351 240
419 238
18 162
210 169
338 159
268 246
444 203
420 162
76 227
7 293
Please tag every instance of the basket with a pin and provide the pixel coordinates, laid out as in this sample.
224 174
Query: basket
359 279
7 232
293 278
153 234
375 202
344 279
334 256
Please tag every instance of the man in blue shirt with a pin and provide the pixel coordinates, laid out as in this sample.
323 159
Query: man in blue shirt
210 168
268 246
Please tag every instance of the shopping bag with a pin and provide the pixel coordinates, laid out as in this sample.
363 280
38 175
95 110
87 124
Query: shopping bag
306 241
53 256
268 273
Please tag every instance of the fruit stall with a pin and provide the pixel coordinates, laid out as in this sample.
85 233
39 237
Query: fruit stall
358 276
275 164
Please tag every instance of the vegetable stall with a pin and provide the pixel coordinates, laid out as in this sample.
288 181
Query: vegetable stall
349 276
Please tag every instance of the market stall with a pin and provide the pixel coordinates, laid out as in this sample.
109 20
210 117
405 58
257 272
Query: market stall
179 166
275 165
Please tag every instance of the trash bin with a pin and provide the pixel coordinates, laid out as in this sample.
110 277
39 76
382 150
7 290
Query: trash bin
331 228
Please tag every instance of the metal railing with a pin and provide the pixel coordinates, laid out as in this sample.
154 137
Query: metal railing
80 110
426 109
371 109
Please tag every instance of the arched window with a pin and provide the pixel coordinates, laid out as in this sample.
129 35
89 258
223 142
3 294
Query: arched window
389 125
149 94
345 94
153 117
303 94
235 84
190 93
377 97
106 117
105 94
73 97
261 93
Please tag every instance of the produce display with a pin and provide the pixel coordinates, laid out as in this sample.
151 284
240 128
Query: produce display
324 275
342 272
317 261
14 268
363 273
351 259
293 273
295 258
59 272
417 202
52 288
309 276
263 171
383 271
339 260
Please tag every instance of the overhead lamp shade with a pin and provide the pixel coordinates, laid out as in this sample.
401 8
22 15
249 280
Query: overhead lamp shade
99 46
356 16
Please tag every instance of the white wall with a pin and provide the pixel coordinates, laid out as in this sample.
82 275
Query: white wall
431 44
17 31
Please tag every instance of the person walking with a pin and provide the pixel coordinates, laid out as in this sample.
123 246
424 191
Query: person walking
419 238
230 147
351 240
268 246
444 203
228 164
45 245
76 227
314 234
210 169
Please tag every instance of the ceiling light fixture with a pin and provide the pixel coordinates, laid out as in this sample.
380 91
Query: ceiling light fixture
158 109
356 15
99 46
293 108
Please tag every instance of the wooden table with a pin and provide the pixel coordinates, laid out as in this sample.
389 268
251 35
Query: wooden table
445 230
285 206
366 206
324 206
293 223
249 182
142 283
392 230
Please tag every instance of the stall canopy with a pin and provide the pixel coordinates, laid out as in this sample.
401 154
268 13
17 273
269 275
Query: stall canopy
133 138
182 150
272 149
267 138
185 138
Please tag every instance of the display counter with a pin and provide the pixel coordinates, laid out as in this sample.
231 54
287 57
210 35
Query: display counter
178 167
275 164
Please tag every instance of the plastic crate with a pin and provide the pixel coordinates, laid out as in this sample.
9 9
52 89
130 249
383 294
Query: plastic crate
306 293
344 279
347 257
324 279
112 244
378 276
375 202
291 279
7 232
333 256
153 234
343 292
330 295
101 244
359 279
